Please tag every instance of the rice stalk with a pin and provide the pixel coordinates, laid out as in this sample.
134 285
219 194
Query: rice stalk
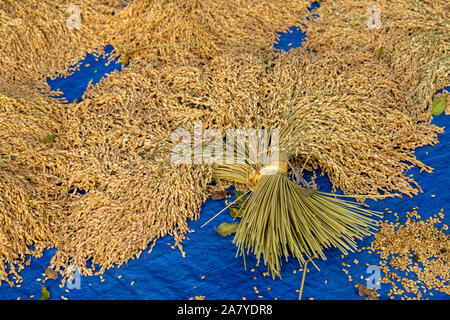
37 41
413 36
281 218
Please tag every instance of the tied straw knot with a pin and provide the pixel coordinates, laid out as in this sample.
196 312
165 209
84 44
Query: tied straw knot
253 176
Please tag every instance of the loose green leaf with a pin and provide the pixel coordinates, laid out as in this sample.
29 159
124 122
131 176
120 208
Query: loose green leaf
49 139
438 106
234 212
225 229
45 295
380 53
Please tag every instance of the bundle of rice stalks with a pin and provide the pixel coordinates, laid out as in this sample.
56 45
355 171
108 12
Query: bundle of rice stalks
361 133
281 218
184 31
351 126
114 148
40 39
224 94
121 135
32 171
410 37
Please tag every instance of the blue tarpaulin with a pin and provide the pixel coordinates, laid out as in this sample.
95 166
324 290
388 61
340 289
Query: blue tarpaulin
210 267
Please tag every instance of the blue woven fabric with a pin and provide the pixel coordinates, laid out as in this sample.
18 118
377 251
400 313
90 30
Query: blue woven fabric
165 274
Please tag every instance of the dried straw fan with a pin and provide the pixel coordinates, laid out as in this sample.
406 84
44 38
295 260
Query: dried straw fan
280 216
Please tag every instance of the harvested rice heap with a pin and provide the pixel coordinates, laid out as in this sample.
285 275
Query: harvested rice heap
360 133
409 36
134 193
347 111
32 195
119 141
183 31
41 38
355 128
